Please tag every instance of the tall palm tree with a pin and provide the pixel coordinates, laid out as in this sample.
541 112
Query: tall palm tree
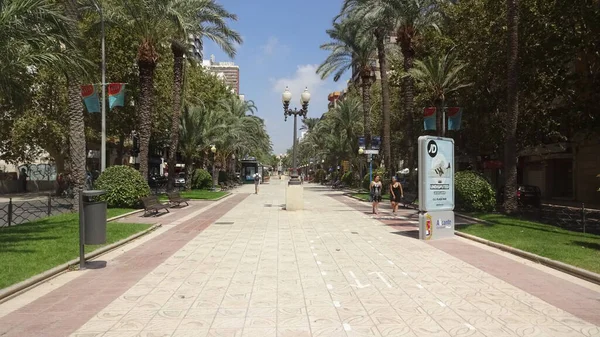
24 48
198 19
77 144
198 129
410 19
150 22
375 19
35 33
351 50
309 124
439 76
510 136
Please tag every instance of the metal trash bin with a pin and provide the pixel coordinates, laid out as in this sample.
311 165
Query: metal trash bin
94 213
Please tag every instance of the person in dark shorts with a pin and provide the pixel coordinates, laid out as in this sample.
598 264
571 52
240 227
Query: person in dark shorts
375 188
396 194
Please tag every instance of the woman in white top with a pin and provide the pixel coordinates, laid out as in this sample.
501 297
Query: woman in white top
375 189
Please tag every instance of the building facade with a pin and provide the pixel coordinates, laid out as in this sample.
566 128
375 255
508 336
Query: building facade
228 72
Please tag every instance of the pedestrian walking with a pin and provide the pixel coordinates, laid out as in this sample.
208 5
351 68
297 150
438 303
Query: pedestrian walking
375 188
23 177
256 182
396 194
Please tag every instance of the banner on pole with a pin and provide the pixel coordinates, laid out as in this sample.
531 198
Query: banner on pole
454 118
375 142
429 115
116 94
361 142
90 98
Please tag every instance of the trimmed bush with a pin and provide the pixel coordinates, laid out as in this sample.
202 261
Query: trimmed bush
473 193
201 180
124 186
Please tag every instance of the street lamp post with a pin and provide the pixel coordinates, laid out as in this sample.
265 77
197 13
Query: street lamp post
213 149
103 104
286 97
361 151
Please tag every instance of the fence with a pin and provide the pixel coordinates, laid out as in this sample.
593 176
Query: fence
15 212
578 219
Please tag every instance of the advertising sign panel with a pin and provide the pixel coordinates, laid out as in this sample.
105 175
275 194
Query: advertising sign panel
436 174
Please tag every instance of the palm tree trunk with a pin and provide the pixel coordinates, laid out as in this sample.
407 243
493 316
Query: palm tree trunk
408 90
77 155
385 98
510 136
189 174
175 119
439 117
145 112
366 101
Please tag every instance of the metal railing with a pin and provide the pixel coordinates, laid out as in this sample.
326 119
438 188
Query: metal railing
16 212
578 219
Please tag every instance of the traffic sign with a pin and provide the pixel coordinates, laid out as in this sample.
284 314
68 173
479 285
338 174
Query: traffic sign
371 151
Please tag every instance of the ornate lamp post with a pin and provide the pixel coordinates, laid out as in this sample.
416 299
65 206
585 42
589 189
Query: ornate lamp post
286 97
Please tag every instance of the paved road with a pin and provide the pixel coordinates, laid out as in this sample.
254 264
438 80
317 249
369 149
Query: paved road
245 267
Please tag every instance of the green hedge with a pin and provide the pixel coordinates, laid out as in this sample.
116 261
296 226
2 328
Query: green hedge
473 192
124 186
201 180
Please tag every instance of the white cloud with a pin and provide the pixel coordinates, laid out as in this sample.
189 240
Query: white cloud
304 76
271 45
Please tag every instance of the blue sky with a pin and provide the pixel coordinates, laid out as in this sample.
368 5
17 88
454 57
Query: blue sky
281 47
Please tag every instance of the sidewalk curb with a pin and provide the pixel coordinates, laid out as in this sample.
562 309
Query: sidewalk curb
124 215
16 289
575 271
485 222
219 198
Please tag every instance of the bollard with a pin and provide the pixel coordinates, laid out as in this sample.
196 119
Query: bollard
81 232
10 210
583 216
49 204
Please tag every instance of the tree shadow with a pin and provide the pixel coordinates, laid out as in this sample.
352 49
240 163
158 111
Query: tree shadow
590 245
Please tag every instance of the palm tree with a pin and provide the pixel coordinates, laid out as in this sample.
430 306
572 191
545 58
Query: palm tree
510 137
439 76
37 33
198 19
309 124
33 33
351 50
375 18
411 18
150 21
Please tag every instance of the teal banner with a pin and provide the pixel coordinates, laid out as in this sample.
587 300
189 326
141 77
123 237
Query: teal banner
116 94
90 98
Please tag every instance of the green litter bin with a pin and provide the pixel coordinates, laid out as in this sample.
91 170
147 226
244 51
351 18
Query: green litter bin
94 214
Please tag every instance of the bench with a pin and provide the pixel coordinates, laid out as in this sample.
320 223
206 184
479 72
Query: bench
151 204
175 198
409 200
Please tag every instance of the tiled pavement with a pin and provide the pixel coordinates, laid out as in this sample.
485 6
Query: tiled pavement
327 271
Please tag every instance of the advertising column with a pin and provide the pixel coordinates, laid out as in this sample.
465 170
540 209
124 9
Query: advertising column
436 187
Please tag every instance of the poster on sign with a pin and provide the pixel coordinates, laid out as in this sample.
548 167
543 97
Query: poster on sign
436 174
